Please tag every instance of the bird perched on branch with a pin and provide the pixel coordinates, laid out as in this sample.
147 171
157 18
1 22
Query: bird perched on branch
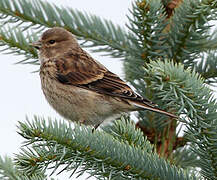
80 88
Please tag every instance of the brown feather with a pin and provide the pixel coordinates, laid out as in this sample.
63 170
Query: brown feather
87 73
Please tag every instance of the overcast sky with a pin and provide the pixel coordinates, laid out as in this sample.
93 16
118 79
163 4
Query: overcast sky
20 90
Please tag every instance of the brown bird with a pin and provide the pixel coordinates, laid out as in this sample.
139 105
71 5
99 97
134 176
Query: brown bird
80 88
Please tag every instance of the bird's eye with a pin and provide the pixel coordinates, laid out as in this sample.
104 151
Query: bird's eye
52 41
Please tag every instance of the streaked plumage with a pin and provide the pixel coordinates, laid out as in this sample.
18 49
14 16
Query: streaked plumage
80 88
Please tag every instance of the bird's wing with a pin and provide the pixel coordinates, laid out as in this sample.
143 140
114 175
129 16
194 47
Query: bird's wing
79 69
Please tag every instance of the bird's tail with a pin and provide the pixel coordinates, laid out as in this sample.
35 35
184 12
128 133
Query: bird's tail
152 108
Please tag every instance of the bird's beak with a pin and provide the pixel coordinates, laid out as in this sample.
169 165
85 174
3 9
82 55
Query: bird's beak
36 44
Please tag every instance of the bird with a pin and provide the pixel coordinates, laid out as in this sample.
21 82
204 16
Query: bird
79 87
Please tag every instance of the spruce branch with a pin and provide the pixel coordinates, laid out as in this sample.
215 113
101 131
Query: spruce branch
185 91
102 34
147 24
185 157
98 153
207 67
189 30
17 43
183 37
9 171
125 131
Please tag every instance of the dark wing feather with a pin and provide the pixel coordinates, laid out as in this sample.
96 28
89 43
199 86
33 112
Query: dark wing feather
79 69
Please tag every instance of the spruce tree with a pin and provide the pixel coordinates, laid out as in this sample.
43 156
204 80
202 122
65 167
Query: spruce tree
169 53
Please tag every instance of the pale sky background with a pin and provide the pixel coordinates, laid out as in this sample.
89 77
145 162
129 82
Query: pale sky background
20 90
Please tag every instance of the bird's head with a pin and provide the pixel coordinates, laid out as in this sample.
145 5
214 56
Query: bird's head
55 42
